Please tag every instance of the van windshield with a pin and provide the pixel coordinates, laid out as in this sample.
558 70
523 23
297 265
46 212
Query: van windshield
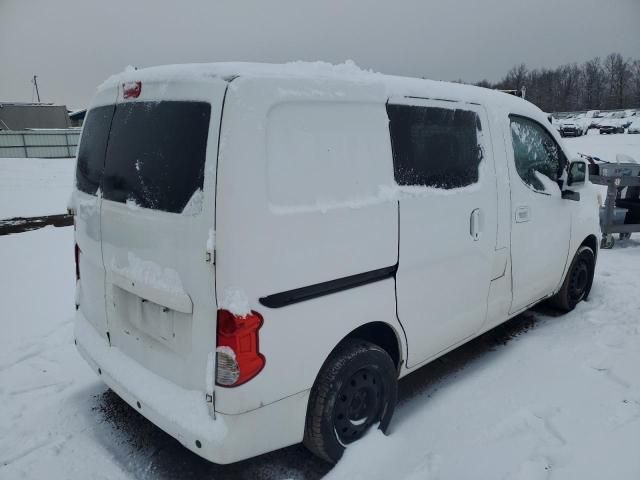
154 156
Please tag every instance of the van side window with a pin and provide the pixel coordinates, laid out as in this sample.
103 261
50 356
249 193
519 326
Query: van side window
434 147
539 159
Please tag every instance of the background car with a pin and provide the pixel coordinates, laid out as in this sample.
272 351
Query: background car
623 118
574 126
571 128
611 125
634 127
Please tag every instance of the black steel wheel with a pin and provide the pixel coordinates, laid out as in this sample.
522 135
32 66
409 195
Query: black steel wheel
577 284
579 279
355 390
358 405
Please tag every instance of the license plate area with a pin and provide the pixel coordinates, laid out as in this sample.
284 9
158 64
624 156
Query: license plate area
139 316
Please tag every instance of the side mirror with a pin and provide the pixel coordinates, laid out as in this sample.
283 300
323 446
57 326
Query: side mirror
577 176
578 173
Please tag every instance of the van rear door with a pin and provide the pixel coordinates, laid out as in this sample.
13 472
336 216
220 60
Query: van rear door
157 221
86 204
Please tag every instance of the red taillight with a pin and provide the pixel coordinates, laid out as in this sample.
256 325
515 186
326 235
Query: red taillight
77 262
238 357
131 89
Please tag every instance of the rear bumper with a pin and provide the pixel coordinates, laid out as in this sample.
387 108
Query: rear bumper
184 414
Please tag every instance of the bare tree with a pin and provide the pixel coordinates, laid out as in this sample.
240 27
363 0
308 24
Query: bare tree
635 84
594 84
483 83
569 77
618 75
516 77
612 83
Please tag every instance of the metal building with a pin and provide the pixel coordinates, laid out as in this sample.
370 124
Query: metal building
21 116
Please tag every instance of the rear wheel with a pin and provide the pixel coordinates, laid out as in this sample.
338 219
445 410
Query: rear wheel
577 284
356 388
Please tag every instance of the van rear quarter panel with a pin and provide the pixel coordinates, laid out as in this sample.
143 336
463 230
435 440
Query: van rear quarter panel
302 171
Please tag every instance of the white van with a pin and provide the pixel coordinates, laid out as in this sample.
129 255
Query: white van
264 250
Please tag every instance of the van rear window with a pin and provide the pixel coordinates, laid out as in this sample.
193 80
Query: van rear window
92 148
156 153
148 153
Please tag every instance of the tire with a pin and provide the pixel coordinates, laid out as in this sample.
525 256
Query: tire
356 388
577 284
607 242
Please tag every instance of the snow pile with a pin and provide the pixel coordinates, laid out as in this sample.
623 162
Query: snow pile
211 241
549 186
194 205
84 204
235 301
385 86
208 71
210 372
149 273
132 204
385 193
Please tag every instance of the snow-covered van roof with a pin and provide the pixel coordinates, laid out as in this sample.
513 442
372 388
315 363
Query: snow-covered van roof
349 72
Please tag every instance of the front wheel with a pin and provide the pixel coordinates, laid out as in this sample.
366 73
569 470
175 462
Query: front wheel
356 388
608 241
577 284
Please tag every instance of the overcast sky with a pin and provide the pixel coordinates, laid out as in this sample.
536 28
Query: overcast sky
75 44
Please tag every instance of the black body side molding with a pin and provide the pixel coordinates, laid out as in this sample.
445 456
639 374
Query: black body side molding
296 295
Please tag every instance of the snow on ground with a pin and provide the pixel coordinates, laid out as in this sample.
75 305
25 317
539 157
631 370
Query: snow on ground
35 186
560 401
543 397
46 392
605 147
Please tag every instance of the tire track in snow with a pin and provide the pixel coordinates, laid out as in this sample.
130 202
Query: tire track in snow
59 386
